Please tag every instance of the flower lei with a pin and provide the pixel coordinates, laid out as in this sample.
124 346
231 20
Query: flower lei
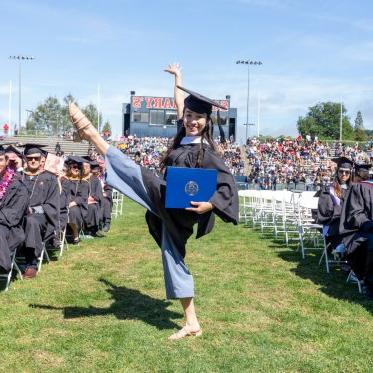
6 180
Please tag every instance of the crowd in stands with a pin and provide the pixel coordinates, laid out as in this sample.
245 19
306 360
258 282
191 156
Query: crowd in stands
268 163
296 161
148 151
45 199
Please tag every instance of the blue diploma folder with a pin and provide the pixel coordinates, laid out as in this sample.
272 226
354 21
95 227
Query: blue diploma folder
189 184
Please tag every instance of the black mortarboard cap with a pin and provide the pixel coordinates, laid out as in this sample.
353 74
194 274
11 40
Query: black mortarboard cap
86 159
93 163
363 166
30 148
13 149
343 162
74 159
3 146
198 103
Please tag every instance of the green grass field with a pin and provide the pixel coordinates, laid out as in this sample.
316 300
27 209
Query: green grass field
101 307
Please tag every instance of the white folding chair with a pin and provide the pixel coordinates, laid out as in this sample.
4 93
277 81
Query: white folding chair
8 276
43 256
354 280
63 241
309 231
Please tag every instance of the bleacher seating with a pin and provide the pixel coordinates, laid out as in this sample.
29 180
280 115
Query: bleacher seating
67 146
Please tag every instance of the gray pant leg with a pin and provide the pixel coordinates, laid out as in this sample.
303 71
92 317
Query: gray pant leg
178 280
124 175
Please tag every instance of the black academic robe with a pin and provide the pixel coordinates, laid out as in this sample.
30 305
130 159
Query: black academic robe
13 207
357 226
179 222
329 213
76 191
64 205
94 209
44 193
107 204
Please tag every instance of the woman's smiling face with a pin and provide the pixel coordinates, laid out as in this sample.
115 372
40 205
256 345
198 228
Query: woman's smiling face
194 123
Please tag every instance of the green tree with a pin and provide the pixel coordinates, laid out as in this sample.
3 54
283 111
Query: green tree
46 117
323 120
52 117
360 134
91 112
106 127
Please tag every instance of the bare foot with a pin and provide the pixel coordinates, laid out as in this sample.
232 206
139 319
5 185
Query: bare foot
186 331
83 125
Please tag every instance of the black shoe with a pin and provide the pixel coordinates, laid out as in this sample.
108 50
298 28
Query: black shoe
106 228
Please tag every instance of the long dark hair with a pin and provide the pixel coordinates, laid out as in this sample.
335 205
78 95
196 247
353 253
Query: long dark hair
337 185
206 136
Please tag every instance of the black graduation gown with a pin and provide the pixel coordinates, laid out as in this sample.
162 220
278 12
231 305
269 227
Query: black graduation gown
64 203
76 191
13 207
94 209
179 222
107 204
44 192
357 226
328 212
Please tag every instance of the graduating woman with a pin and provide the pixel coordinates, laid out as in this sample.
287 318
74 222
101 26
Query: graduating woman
76 193
331 200
191 147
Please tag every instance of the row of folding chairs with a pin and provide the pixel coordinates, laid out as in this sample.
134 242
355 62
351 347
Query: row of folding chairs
118 199
289 214
117 210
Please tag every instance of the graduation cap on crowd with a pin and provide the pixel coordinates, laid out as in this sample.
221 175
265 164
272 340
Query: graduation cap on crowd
74 159
31 148
93 163
86 159
343 163
12 152
4 146
198 103
362 167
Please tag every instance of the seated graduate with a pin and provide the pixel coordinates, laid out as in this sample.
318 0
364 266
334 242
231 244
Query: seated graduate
357 226
361 172
76 194
42 219
13 205
64 208
95 199
331 199
108 198
14 158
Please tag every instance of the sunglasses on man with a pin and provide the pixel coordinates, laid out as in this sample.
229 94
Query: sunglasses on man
33 158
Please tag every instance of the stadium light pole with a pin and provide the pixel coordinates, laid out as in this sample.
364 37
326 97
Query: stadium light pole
20 59
248 63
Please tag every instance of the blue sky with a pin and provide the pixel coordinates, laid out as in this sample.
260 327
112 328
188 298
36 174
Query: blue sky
311 51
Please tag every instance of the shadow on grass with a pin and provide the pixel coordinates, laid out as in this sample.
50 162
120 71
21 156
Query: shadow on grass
333 284
128 304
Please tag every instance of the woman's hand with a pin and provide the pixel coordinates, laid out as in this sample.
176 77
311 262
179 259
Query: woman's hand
200 207
174 69
72 204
